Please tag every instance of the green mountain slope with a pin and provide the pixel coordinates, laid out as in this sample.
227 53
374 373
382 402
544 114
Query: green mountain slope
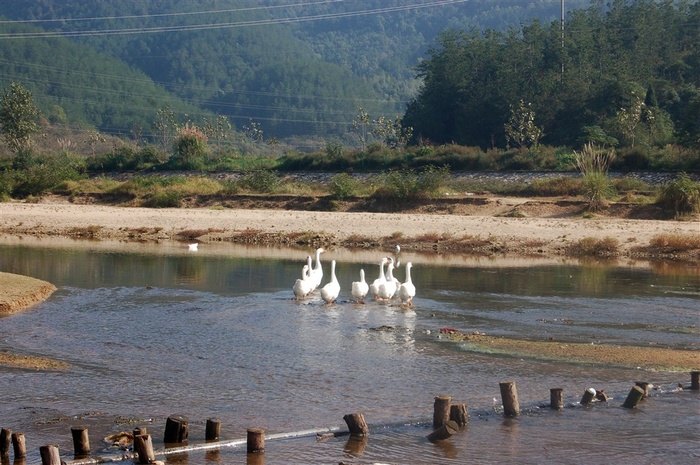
296 67
75 85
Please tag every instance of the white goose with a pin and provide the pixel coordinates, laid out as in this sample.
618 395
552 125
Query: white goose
407 291
308 270
331 290
374 287
360 288
302 287
317 271
387 289
390 274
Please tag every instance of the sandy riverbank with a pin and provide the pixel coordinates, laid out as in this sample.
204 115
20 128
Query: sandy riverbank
545 229
20 292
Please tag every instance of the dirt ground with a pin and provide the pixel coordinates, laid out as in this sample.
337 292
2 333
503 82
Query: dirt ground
462 225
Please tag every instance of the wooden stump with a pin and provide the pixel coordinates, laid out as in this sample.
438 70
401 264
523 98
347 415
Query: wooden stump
81 440
695 380
50 455
256 440
441 410
5 441
459 414
645 387
143 447
213 429
448 429
509 397
633 398
588 396
19 445
176 430
356 424
556 398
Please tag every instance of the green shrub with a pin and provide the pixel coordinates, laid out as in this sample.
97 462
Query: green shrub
406 184
41 175
163 198
230 187
7 184
554 187
593 164
681 196
397 185
343 186
597 189
262 181
190 149
432 181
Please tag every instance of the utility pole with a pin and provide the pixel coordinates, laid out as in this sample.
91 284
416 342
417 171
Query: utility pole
562 40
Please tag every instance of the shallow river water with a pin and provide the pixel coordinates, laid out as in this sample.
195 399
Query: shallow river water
152 330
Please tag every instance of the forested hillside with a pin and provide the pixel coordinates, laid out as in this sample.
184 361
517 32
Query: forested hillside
624 75
74 84
298 68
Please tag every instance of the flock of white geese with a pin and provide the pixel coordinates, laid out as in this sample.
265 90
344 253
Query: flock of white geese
385 288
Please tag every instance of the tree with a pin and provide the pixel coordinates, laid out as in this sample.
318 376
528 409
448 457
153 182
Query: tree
18 116
165 127
520 128
392 133
360 125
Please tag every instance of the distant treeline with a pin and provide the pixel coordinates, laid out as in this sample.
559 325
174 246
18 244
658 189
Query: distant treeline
621 74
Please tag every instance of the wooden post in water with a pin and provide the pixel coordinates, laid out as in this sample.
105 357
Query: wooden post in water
50 455
81 440
256 440
633 398
176 430
441 410
19 445
448 429
143 446
5 441
556 398
356 424
509 397
213 429
459 413
645 387
588 396
695 380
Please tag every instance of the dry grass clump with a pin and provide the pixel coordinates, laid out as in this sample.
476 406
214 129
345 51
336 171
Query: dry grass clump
196 233
594 247
356 239
304 237
85 231
675 243
433 237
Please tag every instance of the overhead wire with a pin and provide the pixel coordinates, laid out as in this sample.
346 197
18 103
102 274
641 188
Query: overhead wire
164 15
300 112
226 25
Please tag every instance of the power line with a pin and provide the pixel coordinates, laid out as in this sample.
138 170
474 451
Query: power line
162 15
226 25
